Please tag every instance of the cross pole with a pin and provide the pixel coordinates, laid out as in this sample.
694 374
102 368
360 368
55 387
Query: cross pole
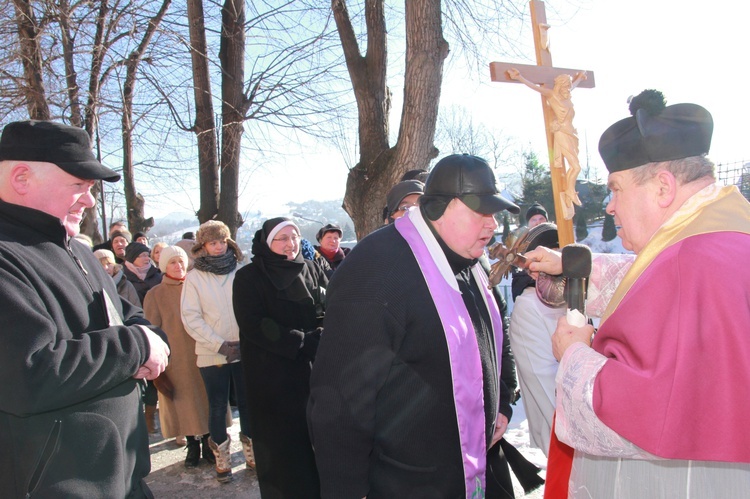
544 74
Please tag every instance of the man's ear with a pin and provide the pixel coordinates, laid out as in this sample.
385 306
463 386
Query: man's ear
666 185
20 178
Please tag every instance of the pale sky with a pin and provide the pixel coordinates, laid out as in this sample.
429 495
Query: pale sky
692 51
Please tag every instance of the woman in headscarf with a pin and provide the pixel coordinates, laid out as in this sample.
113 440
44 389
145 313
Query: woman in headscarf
139 270
279 305
207 315
183 406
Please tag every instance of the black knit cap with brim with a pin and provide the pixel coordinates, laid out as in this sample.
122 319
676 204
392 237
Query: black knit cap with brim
66 146
134 250
468 178
656 132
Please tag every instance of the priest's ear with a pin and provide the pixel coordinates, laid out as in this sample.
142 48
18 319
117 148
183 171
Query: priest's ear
666 185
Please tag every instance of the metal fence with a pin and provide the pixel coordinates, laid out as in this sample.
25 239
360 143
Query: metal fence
735 173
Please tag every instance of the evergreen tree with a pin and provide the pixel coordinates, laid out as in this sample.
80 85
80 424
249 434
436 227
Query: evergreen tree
582 231
609 231
537 185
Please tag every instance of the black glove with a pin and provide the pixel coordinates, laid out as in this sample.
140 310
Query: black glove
231 350
310 345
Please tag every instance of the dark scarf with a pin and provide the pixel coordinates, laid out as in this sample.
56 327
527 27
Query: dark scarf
219 265
285 275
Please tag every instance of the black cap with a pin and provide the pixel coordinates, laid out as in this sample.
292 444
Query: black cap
536 209
134 250
66 146
399 191
328 228
468 178
656 132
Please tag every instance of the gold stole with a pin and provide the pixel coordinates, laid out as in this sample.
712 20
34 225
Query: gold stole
724 210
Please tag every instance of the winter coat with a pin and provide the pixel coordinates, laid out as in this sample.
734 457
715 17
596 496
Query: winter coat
381 408
277 376
207 314
153 277
186 413
126 289
71 419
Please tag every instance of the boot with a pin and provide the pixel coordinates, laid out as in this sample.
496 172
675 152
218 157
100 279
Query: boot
193 452
151 423
247 450
208 454
223 459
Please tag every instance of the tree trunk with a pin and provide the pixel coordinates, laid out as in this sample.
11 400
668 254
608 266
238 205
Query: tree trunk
381 166
233 110
205 127
31 56
134 201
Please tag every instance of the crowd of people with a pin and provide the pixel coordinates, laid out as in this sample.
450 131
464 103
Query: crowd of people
389 369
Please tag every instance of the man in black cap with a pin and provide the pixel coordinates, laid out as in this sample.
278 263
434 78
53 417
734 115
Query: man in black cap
73 353
406 396
329 239
401 197
658 401
535 215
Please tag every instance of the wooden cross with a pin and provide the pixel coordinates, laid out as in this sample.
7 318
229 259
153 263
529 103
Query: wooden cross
544 74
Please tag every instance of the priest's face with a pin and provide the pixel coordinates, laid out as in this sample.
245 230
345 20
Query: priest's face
635 208
464 230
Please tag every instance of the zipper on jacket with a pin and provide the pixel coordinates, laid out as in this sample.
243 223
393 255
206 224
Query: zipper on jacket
49 449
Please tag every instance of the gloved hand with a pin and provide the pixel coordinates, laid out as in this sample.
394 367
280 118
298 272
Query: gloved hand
310 346
231 350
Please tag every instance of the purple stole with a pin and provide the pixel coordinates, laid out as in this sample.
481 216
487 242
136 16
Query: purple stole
466 365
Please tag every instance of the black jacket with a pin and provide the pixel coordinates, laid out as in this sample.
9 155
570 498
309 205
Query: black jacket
153 277
71 422
272 325
381 408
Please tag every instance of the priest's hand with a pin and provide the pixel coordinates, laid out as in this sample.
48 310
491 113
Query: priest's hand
545 260
565 335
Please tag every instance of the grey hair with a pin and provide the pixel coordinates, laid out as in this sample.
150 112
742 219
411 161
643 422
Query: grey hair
685 170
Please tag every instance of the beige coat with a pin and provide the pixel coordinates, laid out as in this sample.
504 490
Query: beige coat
187 412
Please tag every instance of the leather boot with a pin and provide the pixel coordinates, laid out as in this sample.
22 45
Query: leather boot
193 452
247 450
223 459
208 454
151 423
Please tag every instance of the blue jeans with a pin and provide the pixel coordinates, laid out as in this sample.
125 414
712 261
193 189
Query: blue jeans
217 381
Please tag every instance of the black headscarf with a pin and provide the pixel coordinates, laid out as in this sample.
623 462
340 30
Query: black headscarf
284 274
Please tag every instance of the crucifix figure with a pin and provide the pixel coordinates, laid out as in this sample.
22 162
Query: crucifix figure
564 135
554 85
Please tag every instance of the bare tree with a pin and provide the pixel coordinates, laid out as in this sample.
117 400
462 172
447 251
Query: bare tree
134 200
285 89
380 164
29 33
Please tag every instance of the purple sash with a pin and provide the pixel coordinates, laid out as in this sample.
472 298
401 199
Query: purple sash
466 365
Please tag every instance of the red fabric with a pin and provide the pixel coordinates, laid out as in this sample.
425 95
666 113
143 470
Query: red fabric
559 464
329 254
677 381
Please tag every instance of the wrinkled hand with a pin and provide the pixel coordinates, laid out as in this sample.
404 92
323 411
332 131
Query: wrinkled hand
545 260
158 356
500 426
565 335
231 350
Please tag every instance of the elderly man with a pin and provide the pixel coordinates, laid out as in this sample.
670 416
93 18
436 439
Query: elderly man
73 353
405 391
657 405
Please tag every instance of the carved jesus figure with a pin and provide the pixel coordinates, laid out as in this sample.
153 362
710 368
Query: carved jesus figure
564 135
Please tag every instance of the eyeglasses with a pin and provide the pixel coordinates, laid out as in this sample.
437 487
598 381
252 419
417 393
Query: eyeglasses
285 239
406 206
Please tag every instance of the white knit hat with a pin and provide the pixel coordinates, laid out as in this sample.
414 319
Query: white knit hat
168 253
